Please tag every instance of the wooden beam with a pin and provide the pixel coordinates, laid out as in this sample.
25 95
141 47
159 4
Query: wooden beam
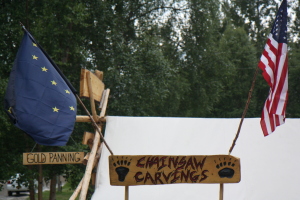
87 136
79 187
92 100
82 118
102 99
99 74
86 158
77 190
98 155
104 106
93 182
89 167
98 85
88 139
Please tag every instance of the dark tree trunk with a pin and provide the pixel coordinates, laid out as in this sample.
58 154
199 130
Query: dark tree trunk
53 188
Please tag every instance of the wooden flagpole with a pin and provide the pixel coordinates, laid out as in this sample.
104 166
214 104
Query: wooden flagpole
245 111
95 125
240 125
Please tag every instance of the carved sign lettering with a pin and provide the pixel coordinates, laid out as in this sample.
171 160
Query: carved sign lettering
164 169
52 158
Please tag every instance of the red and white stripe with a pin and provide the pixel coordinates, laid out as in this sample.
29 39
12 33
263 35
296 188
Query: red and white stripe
273 62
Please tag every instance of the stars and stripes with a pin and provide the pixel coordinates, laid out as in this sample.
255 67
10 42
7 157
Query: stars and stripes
273 63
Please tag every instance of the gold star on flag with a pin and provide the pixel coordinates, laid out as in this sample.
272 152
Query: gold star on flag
44 69
34 44
55 109
67 91
34 57
53 83
72 108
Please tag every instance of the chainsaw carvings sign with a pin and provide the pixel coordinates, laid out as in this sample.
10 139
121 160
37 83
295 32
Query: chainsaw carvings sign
39 158
163 169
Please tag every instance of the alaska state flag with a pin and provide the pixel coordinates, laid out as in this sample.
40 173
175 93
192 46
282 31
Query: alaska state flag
38 99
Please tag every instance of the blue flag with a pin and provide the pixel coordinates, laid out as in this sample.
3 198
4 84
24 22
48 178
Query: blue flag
38 99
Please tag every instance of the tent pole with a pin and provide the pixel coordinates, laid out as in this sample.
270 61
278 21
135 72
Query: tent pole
126 192
221 191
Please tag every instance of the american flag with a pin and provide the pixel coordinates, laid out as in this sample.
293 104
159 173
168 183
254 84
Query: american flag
273 63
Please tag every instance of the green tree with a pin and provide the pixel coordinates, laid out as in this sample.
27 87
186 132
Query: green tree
239 71
57 26
202 59
256 17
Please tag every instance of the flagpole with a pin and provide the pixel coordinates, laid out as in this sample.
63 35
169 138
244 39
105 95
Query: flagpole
221 193
245 111
70 86
95 125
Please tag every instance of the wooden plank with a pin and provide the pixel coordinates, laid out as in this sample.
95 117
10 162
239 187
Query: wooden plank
129 170
92 100
98 85
45 158
82 118
99 74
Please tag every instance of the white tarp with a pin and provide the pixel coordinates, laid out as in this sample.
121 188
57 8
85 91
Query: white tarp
270 166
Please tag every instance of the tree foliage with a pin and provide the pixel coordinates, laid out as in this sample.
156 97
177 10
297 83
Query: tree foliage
179 58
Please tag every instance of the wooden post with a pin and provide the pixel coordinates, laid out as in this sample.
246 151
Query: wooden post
221 191
89 167
102 114
87 82
40 183
126 192
77 190
92 101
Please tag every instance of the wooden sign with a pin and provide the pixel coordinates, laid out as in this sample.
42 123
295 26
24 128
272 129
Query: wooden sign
162 169
97 84
44 158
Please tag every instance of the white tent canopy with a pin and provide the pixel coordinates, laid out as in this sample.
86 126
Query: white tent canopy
269 165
